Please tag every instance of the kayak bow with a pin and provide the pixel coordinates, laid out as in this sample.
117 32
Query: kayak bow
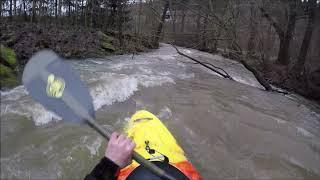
149 133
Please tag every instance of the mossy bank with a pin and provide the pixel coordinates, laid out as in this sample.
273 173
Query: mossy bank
8 67
20 41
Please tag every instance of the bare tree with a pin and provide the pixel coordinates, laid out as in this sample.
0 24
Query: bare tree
204 42
183 17
139 18
60 8
299 65
24 10
253 31
33 17
56 9
285 36
159 30
174 17
15 7
1 9
198 19
120 15
10 10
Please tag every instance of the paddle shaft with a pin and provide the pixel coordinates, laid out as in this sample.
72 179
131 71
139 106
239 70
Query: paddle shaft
137 157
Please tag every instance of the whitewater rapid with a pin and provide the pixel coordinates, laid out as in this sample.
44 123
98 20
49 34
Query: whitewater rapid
108 81
229 129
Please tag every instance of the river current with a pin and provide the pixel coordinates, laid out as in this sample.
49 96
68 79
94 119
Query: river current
228 129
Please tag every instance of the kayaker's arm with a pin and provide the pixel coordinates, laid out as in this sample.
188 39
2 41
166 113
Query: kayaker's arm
105 169
118 155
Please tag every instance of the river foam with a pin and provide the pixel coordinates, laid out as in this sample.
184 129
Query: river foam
110 88
115 81
109 82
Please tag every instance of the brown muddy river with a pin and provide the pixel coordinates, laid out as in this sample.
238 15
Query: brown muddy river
229 129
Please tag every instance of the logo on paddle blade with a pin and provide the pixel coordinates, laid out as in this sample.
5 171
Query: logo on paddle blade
55 86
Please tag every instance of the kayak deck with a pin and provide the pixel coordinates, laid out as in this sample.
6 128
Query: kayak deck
148 132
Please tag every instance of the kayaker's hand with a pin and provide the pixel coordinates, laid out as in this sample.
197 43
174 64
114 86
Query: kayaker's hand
120 149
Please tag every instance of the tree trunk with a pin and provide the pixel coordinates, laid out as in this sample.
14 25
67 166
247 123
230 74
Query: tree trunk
92 4
82 15
211 6
284 37
60 11
75 14
40 11
283 51
86 14
60 8
283 55
183 20
69 9
33 17
10 10
15 7
148 16
198 23
299 65
105 18
215 43
56 9
159 30
1 9
253 32
111 19
120 22
204 45
139 18
95 13
24 10
213 33
174 22
20 10
198 31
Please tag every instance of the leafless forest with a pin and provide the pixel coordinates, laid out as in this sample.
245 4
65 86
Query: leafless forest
279 39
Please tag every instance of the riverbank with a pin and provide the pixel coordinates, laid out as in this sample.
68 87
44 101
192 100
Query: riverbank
306 83
70 42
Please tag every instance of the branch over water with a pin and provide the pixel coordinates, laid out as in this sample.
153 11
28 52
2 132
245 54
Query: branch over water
205 64
213 68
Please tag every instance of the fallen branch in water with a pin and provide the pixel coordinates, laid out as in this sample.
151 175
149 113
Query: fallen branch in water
256 74
205 64
239 55
260 79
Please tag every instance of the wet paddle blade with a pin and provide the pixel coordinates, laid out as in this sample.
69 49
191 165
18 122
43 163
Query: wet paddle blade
53 83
